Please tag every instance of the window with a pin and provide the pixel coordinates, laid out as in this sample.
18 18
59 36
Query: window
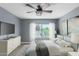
42 30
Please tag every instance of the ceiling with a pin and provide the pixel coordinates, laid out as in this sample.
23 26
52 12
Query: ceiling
19 10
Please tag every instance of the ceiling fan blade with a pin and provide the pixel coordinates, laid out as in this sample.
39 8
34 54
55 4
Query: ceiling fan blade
30 11
46 5
30 6
49 11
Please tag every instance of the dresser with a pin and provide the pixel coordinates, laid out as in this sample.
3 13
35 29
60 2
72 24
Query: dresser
8 45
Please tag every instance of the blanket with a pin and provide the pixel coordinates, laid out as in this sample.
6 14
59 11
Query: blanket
42 50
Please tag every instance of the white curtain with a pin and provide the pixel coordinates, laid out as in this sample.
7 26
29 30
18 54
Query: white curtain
32 31
52 30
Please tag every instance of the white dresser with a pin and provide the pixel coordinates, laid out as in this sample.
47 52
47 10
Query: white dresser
7 46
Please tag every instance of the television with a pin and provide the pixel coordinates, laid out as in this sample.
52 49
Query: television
6 28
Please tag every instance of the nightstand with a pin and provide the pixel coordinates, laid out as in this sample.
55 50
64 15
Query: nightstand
73 53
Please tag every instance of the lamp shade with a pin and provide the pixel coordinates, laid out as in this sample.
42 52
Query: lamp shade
75 38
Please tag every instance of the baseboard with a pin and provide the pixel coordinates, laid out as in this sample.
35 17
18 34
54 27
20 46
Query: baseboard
25 42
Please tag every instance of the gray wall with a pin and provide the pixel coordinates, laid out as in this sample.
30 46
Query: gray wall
25 27
7 17
68 16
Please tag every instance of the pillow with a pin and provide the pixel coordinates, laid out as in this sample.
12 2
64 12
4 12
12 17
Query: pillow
12 35
3 37
66 49
58 42
66 44
60 37
63 43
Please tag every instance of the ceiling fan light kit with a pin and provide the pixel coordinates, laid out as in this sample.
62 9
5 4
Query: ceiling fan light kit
39 10
38 13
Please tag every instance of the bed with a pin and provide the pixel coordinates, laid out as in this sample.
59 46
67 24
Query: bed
47 48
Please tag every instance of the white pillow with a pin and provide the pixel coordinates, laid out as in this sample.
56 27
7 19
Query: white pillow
58 42
60 37
3 37
63 43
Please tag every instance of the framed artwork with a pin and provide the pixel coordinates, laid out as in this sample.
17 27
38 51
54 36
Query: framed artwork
73 25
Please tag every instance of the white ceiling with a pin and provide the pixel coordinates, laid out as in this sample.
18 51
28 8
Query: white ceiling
19 10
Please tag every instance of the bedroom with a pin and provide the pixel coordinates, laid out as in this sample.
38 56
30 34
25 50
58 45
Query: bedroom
39 29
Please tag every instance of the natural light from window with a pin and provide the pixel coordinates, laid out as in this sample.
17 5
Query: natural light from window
42 30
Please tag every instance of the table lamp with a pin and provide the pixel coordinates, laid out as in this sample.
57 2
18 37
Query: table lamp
75 38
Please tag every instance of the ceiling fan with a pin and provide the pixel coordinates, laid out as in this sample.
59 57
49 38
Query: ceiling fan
39 10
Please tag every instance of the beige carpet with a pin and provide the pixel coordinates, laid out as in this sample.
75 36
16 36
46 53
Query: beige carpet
20 51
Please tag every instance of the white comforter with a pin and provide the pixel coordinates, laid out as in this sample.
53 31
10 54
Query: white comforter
53 48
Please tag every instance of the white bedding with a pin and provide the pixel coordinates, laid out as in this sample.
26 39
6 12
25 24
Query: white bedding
53 48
